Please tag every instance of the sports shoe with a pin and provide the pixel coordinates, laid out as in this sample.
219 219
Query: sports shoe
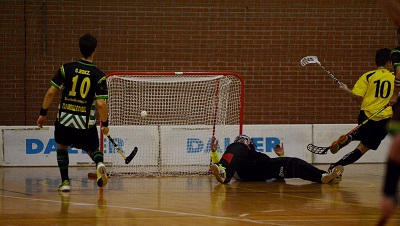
336 180
101 175
339 144
332 174
64 186
219 172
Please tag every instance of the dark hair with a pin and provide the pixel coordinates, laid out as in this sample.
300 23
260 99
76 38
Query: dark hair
398 31
87 45
382 57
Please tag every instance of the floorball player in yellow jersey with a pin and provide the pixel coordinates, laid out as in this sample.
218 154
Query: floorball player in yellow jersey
373 90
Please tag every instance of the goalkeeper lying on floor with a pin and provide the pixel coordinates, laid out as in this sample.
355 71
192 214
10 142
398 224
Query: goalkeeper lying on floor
243 162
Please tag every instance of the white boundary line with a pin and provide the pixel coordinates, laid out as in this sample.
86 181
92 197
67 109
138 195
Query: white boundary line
140 209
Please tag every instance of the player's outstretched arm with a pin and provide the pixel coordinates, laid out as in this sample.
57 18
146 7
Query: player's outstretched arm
279 150
48 99
103 112
214 153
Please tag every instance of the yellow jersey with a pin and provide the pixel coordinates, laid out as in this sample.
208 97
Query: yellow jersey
376 87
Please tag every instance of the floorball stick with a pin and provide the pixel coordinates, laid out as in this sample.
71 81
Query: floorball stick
119 150
314 60
323 150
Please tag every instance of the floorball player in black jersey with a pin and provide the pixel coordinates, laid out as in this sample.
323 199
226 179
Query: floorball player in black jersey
84 89
389 200
243 162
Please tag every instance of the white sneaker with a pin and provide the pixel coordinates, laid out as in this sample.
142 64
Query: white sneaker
64 186
219 172
332 174
101 175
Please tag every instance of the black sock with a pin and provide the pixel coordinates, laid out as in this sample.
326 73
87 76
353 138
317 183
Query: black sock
350 158
63 162
97 156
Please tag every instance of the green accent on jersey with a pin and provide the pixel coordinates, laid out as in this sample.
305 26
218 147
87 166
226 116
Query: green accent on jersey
394 51
101 80
393 127
62 71
101 97
394 54
92 112
87 64
73 121
376 87
55 85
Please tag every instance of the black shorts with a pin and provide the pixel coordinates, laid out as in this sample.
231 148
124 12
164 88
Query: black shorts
371 133
85 139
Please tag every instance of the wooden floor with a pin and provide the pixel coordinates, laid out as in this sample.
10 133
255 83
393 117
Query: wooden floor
28 196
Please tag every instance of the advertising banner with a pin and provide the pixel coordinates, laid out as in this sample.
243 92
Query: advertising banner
31 146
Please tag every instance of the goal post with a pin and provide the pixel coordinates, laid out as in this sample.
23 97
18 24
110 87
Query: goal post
171 117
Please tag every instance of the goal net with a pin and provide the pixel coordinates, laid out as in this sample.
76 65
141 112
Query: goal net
183 111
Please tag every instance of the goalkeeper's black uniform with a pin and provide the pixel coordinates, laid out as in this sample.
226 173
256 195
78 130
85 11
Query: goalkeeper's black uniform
249 165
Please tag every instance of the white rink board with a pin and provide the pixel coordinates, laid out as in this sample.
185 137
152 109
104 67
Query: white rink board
324 134
189 142
145 138
294 138
29 146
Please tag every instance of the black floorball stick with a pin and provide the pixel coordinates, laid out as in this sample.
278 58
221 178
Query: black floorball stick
130 156
119 150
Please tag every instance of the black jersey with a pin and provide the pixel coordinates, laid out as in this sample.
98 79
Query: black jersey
81 83
395 57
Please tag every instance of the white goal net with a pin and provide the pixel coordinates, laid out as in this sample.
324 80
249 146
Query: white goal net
170 117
